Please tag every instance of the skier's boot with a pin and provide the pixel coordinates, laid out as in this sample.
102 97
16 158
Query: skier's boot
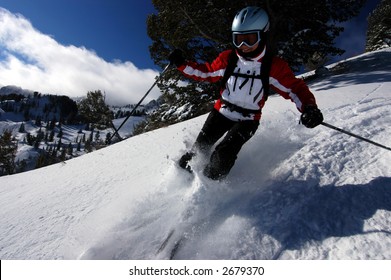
219 165
184 161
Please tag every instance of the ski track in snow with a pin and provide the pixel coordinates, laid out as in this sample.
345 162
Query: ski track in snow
294 193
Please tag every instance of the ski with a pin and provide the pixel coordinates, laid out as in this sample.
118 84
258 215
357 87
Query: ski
176 247
186 226
165 242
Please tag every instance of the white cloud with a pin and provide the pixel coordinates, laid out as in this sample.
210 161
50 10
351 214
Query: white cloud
35 61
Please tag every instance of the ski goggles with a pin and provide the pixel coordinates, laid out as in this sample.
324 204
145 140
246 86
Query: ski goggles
249 39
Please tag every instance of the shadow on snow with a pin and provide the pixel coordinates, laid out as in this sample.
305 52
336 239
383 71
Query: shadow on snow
296 212
378 65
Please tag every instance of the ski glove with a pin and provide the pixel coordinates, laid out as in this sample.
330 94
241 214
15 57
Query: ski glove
311 117
176 57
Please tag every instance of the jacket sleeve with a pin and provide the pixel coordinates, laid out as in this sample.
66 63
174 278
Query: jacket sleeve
287 85
210 72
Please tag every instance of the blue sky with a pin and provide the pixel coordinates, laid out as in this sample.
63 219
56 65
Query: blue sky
114 29
353 38
74 46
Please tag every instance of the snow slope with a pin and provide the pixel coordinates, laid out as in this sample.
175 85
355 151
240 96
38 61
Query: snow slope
294 193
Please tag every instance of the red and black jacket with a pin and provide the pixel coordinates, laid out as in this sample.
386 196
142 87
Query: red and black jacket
244 88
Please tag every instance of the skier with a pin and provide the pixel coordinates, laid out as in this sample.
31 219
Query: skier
244 90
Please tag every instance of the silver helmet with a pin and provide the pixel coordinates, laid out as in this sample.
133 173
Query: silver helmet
253 21
249 19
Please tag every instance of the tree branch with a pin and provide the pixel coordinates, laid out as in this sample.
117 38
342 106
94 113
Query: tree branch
199 29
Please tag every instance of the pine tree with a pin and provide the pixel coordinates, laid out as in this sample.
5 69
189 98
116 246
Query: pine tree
70 149
108 137
30 139
300 29
379 27
53 153
52 124
22 128
91 137
97 136
59 145
60 133
63 154
78 146
8 149
88 146
94 110
202 28
51 136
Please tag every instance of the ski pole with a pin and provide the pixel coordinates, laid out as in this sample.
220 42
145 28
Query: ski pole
138 104
354 135
116 132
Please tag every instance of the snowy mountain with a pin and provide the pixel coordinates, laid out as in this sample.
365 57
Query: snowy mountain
294 193
15 90
46 128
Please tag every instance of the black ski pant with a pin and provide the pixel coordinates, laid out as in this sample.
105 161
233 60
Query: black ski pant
224 156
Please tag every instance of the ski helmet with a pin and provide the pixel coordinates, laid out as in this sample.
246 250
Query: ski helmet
251 21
